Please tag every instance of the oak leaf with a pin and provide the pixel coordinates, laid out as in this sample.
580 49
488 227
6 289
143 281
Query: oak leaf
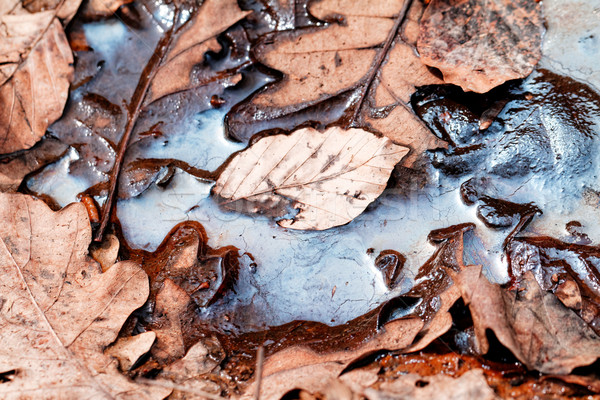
327 70
532 323
330 176
35 72
479 45
58 311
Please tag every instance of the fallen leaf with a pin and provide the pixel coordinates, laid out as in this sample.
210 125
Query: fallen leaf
128 350
106 252
58 310
436 289
102 8
470 385
184 257
14 168
568 270
193 371
35 73
330 176
531 322
479 45
301 367
171 307
328 72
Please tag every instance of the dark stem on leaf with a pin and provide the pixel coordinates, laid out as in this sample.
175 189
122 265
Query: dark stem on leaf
381 55
133 111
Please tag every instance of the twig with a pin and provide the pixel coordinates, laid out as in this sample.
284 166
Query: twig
260 360
133 110
379 60
181 388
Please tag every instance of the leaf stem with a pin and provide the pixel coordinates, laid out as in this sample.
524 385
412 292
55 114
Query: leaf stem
381 55
133 111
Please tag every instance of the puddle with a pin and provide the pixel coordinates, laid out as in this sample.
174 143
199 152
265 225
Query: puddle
330 276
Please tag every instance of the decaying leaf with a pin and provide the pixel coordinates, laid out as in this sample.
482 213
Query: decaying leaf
58 310
479 45
185 273
470 385
436 289
100 8
128 350
568 270
14 168
300 367
330 176
327 71
35 72
537 328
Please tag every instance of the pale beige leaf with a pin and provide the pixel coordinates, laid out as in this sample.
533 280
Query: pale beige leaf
200 359
129 350
330 176
58 311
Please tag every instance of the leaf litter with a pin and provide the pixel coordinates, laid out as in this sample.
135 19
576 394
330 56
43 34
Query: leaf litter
497 157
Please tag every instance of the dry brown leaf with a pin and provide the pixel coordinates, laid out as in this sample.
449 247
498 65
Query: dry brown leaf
330 177
58 310
532 323
102 8
171 304
35 73
479 45
192 371
470 385
302 368
326 68
128 350
106 252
